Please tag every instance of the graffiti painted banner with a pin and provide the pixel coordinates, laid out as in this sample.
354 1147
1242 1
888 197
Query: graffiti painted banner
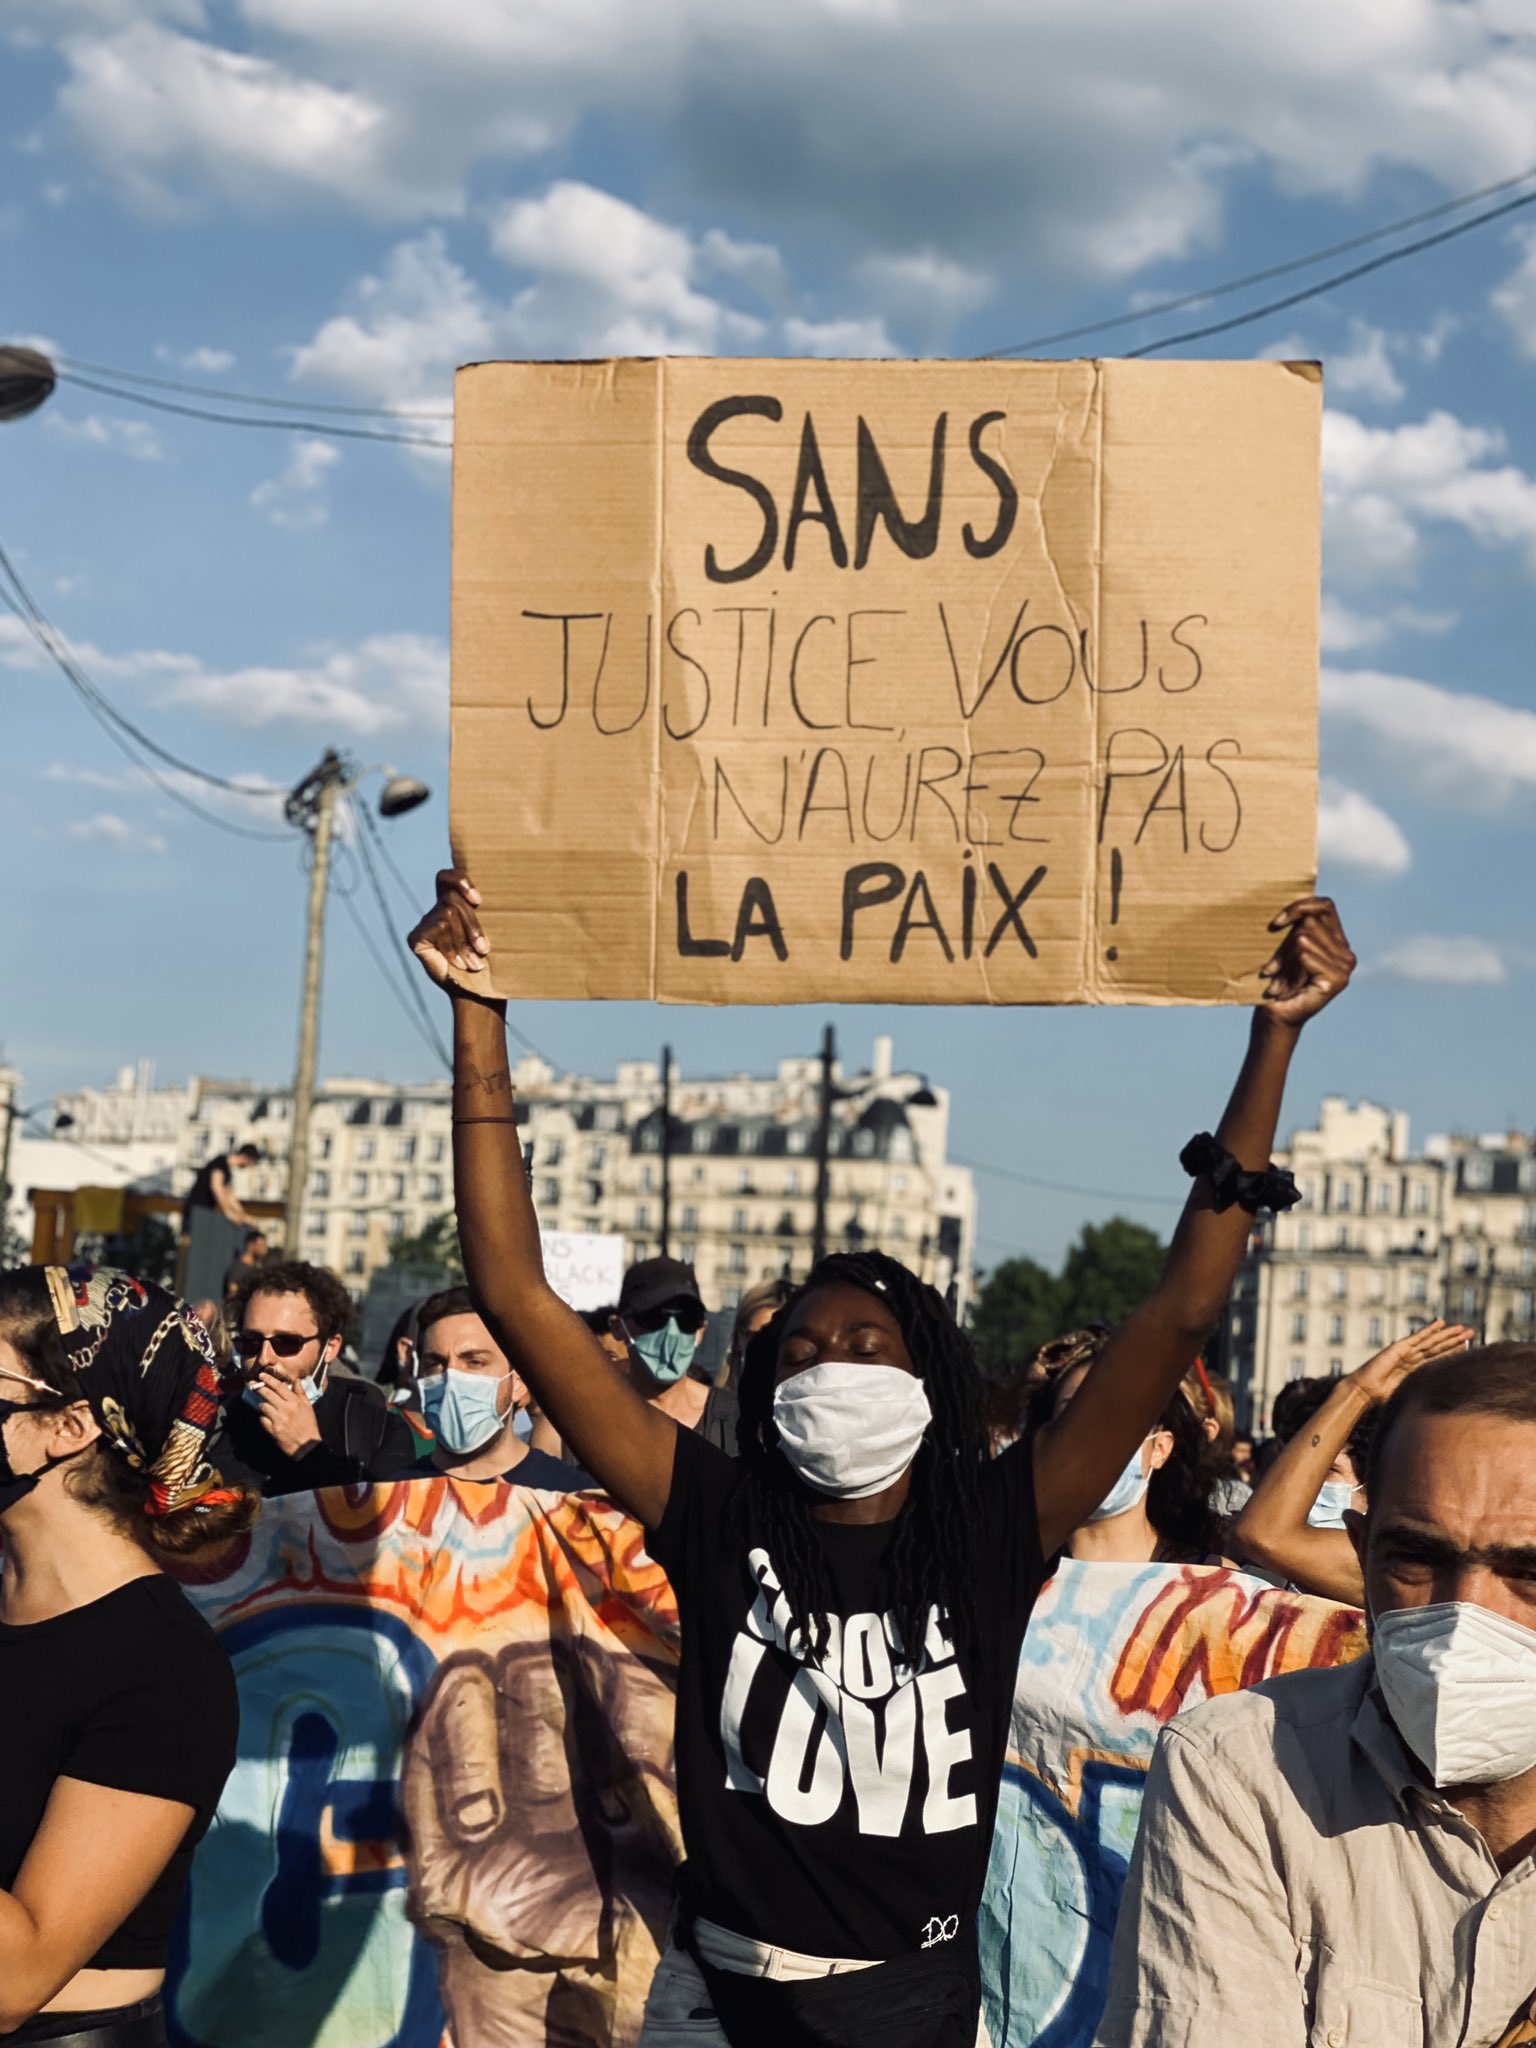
1112 1653
454 1803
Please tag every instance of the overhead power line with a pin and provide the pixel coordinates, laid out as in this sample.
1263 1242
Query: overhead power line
378 412
1328 284
1061 1187
364 830
320 428
1273 270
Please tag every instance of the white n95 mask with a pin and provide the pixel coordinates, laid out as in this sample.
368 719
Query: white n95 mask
849 1430
1461 1685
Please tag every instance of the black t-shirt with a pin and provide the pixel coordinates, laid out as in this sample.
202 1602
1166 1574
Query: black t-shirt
537 1470
842 1808
200 1195
132 1691
362 1442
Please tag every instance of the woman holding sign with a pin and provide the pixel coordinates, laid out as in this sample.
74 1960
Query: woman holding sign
854 1589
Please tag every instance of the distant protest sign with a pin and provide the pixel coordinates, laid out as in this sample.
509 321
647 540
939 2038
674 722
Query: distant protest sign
885 682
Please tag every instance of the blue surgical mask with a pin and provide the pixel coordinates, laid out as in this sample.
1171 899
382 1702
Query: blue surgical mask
460 1408
1128 1491
1333 1497
666 1353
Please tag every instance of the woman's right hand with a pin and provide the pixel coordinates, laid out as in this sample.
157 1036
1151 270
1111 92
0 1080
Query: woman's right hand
449 936
1381 1376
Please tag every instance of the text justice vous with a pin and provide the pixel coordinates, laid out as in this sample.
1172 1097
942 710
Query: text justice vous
750 666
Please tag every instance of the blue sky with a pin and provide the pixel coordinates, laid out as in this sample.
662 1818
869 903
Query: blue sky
336 200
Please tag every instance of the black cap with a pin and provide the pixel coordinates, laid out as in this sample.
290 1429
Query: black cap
650 1282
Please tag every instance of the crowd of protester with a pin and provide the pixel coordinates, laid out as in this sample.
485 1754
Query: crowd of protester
856 1531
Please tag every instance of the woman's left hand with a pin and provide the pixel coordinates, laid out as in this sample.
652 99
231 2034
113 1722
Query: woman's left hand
1312 963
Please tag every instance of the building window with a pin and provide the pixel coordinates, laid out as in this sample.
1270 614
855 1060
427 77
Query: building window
594 1193
553 1151
405 1150
364 1149
898 1226
1378 1332
323 1145
359 1186
1418 1287
797 1140
1343 1194
1336 1330
551 1194
1477 1171
437 1150
320 1185
1301 1283
1298 1368
1469 1301
642 1216
397 1223
792 1181
687 1251
397 1187
1237 1325
648 1179
748 1139
597 1158
1299 1327
1340 1284
1335 1368
314 1223
1384 1203
736 1261
357 1223
1421 1198
356 1262
745 1185
1525 1302
690 1218
434 1187
1303 1237
898 1183
738 1219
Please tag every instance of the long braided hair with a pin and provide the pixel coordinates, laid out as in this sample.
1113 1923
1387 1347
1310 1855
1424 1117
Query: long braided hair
934 1555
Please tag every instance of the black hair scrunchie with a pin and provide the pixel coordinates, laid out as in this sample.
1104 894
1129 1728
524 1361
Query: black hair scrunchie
1272 1187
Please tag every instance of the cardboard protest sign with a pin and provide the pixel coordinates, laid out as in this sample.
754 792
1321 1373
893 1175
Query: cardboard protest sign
584 1270
885 682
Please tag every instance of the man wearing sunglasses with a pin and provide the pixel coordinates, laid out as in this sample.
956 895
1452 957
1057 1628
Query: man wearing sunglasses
660 1322
292 1419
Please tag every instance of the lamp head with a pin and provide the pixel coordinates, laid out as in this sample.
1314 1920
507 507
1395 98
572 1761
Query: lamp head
400 794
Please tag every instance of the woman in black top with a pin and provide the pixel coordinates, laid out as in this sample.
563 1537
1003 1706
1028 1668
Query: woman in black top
854 1591
118 1717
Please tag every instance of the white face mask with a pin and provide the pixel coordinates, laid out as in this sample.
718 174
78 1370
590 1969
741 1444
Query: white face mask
1461 1685
1333 1497
849 1430
1128 1491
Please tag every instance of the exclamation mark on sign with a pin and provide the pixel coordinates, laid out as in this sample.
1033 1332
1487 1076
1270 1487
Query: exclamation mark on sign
1116 878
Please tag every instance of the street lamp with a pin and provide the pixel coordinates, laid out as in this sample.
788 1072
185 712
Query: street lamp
26 379
311 808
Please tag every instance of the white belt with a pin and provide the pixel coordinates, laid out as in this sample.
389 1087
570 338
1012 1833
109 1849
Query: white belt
729 1951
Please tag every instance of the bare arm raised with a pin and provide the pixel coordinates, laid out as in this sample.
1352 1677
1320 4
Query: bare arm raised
1273 1529
623 1441
1079 1455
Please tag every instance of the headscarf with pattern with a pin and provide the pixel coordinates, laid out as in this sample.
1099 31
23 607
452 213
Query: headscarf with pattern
145 1366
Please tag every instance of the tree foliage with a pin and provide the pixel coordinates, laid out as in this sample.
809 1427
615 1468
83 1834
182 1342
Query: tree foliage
1108 1271
432 1249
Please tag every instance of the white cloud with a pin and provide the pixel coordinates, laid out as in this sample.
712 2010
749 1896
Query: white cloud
1364 368
258 805
612 278
416 319
1343 630
124 437
107 829
925 282
171 116
1458 961
1452 739
1382 485
1515 298
839 338
204 362
1091 138
296 497
388 682
1352 832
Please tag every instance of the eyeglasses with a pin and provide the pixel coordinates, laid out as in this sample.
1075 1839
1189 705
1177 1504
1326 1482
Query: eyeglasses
25 1379
688 1315
284 1343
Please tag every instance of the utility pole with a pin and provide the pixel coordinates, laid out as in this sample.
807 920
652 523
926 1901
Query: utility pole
823 1147
666 1151
312 807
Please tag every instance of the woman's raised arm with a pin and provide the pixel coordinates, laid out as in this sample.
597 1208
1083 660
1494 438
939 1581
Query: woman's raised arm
1081 1453
624 1442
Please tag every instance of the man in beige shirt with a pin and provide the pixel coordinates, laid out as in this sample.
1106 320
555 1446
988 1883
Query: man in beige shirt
1347 1859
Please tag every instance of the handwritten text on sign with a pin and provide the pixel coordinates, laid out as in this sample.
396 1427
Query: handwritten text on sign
885 682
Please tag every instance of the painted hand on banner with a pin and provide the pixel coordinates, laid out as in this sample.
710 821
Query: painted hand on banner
449 936
1311 964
